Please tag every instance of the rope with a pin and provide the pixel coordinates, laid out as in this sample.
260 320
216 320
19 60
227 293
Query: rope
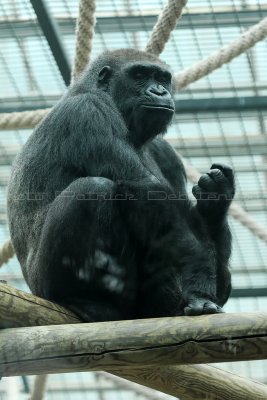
84 35
28 119
39 387
22 120
164 26
235 210
6 252
222 56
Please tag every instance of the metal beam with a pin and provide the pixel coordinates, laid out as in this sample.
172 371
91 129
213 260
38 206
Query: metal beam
185 106
230 146
29 103
220 146
51 32
250 103
249 292
137 23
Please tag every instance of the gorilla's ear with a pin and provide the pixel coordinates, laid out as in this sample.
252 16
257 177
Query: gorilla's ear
104 76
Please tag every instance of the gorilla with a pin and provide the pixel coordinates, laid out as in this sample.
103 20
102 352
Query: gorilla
98 210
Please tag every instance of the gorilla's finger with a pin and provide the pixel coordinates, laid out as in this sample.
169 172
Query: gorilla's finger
207 184
194 307
220 310
189 311
226 170
217 176
210 308
196 192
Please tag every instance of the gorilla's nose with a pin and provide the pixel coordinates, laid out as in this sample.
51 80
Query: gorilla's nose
157 91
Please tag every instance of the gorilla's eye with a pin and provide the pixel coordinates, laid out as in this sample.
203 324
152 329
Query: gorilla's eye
138 75
139 72
165 77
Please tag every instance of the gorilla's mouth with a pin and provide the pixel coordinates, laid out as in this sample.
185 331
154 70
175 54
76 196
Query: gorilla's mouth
165 107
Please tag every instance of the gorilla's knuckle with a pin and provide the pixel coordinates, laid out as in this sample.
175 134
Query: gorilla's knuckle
204 180
225 169
196 189
217 174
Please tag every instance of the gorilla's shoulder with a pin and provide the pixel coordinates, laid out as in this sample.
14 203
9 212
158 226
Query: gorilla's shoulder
93 101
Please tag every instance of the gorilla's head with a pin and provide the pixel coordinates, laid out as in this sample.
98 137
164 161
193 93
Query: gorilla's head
141 87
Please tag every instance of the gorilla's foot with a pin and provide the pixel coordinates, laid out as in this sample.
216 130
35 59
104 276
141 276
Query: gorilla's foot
198 306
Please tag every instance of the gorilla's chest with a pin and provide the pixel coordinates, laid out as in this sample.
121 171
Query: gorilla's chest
151 164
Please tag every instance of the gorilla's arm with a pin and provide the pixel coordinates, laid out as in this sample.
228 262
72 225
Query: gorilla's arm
95 139
105 151
214 193
208 219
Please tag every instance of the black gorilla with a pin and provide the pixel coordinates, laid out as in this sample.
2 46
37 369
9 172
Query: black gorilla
98 211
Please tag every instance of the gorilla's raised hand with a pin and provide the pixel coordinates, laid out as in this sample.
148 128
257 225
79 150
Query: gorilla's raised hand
215 191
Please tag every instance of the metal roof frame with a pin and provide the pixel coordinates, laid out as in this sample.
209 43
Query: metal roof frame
53 37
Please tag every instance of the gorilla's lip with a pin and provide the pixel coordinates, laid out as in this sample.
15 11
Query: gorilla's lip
159 106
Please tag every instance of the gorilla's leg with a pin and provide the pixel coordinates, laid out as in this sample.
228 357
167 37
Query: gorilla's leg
177 263
77 260
179 274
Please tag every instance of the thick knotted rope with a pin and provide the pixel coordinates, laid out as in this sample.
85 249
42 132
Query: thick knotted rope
84 36
22 120
28 119
166 23
222 56
6 252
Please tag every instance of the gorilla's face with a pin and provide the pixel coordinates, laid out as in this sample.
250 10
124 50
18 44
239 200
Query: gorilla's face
142 92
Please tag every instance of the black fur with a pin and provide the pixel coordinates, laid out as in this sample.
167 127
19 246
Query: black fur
97 205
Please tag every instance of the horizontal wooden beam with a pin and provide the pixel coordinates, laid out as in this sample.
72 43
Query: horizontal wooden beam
26 351
148 342
128 344
18 308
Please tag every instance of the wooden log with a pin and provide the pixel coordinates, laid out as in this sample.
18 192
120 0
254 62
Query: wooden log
109 345
199 382
184 381
18 308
